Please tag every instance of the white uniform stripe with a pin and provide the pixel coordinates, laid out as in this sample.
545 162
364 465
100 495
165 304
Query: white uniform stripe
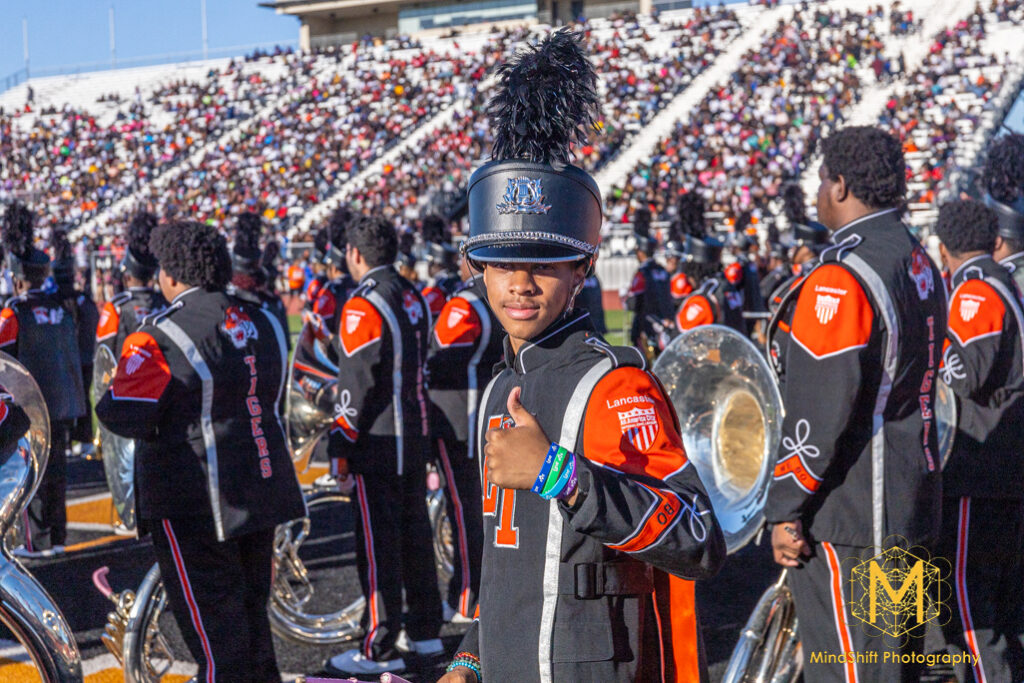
198 363
396 371
571 423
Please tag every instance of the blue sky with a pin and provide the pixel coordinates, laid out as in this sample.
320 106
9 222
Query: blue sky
74 31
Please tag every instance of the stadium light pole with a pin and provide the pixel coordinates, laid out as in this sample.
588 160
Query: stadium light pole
113 44
206 50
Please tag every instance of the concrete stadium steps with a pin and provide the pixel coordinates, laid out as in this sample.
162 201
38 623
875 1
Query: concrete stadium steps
937 16
756 21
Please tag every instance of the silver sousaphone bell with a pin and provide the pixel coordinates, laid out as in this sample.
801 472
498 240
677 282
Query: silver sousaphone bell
730 413
26 609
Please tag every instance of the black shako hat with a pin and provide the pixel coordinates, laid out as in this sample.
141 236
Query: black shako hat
246 254
23 259
703 249
1011 217
138 261
529 204
810 234
1002 178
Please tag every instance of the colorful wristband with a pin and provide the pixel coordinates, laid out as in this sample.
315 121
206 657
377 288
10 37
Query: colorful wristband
545 469
574 481
468 660
563 479
556 471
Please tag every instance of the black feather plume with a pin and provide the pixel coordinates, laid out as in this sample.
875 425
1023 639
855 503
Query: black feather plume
17 229
61 246
247 233
546 101
1003 175
321 240
794 204
338 225
270 254
691 214
642 221
138 232
433 228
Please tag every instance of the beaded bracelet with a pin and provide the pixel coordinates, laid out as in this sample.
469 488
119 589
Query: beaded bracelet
468 660
556 471
549 461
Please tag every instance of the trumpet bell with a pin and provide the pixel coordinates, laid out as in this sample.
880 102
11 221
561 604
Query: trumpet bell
730 414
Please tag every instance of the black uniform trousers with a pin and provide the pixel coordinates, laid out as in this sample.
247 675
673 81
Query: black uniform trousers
218 592
465 513
823 594
394 550
983 539
46 515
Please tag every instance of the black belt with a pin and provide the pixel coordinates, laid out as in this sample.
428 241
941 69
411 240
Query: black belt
597 579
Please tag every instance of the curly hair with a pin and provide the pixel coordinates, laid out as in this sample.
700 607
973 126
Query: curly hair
871 162
192 253
375 238
699 272
1003 173
966 225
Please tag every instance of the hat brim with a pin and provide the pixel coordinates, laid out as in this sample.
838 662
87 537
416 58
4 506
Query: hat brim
524 253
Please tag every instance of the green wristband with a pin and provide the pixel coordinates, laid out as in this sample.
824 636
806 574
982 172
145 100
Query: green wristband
556 471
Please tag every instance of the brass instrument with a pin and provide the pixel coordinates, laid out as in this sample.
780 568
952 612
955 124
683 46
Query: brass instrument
768 650
26 609
117 452
946 412
730 412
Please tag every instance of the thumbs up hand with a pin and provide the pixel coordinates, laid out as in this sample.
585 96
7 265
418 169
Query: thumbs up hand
515 456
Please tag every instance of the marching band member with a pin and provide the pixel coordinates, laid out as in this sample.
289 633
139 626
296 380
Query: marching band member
37 330
591 300
464 348
316 265
339 285
123 314
381 437
248 275
198 388
1003 180
590 502
983 501
442 267
858 463
714 300
82 310
649 298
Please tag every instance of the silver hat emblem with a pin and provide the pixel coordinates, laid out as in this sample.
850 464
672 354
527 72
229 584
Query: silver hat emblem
523 195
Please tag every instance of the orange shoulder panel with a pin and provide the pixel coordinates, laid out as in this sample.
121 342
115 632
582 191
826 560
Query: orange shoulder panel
8 327
435 299
694 312
457 324
361 325
142 371
680 286
833 313
975 312
629 426
109 320
325 304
